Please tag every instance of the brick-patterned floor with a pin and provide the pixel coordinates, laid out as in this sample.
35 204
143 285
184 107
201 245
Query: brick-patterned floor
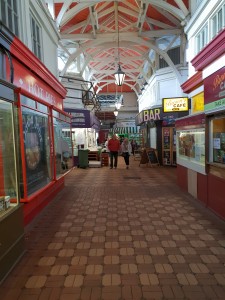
121 234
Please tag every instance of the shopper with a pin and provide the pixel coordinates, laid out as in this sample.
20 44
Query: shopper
126 151
133 145
106 145
114 147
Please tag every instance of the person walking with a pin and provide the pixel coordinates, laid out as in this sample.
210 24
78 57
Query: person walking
126 151
114 147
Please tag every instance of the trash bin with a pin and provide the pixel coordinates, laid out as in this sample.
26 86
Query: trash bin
83 158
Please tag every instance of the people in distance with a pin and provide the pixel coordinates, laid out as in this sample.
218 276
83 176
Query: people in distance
114 147
126 150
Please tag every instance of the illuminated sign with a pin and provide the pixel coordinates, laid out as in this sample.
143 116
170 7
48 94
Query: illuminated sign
198 103
175 104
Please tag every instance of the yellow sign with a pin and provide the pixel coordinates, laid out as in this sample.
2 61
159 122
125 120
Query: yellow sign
198 103
175 104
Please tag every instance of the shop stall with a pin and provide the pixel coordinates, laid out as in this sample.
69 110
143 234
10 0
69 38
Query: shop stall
191 168
157 128
44 152
202 143
11 210
85 129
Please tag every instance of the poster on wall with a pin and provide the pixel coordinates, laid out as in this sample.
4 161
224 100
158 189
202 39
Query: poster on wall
37 150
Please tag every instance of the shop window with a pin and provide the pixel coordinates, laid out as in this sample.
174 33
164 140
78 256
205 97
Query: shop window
217 140
36 37
63 146
37 150
9 15
191 147
8 171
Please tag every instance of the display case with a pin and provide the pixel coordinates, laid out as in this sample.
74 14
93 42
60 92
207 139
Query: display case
8 165
191 148
11 214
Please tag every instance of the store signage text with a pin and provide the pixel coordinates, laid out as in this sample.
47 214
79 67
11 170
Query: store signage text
175 104
151 114
214 87
39 92
146 115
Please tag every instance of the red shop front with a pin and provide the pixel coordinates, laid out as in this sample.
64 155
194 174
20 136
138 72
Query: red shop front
45 151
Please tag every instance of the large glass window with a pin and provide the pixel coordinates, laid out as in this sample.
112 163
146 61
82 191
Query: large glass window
8 171
217 140
63 146
9 15
37 150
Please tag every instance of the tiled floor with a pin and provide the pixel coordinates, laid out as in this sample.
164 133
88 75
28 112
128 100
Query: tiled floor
121 234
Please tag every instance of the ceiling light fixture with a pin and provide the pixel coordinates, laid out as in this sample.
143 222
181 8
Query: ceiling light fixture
119 75
115 112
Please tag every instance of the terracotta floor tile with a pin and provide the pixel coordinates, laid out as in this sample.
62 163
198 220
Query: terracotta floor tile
112 237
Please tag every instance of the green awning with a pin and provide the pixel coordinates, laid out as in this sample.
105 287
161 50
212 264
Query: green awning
124 130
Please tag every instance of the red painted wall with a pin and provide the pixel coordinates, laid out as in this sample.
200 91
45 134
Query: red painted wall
216 195
40 200
182 178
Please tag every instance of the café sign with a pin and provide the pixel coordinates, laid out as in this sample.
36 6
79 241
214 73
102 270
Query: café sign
175 104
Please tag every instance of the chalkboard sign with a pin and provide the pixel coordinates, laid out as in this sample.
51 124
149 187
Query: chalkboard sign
153 157
149 156
144 158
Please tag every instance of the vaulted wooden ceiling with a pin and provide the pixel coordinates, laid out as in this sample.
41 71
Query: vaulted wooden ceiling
109 33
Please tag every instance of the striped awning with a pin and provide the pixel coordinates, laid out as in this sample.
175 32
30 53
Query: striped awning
124 130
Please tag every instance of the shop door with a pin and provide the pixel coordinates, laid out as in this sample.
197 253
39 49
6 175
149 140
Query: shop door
169 146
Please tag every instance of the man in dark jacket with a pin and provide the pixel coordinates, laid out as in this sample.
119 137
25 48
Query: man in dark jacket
114 147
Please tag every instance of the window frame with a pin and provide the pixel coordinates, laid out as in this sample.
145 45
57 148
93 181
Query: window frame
36 36
8 6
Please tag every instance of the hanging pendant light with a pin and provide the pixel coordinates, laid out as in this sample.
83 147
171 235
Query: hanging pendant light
119 75
115 112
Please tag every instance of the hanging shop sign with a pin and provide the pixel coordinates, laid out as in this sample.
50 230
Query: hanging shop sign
214 91
80 118
175 104
152 114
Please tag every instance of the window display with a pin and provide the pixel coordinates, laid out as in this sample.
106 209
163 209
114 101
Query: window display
8 178
169 146
63 146
217 141
37 150
191 145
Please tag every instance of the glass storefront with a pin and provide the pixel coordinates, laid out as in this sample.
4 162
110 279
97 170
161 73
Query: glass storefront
43 136
37 150
217 140
63 144
8 170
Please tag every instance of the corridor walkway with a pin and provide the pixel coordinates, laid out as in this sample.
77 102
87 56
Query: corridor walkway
121 234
